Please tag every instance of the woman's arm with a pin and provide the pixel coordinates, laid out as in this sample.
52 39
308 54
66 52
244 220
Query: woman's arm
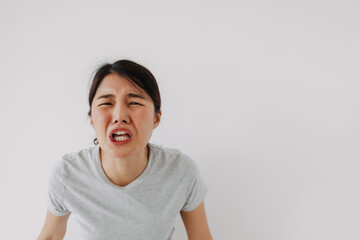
54 227
196 223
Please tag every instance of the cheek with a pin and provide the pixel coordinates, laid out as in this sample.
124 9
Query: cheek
145 118
99 117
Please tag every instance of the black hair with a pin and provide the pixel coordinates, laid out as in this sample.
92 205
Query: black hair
138 75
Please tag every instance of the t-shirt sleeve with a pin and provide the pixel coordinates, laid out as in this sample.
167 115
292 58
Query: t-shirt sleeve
56 191
197 188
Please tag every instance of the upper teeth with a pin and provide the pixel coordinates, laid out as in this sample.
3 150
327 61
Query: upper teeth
120 132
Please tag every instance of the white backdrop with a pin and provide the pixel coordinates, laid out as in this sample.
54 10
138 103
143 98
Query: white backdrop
263 95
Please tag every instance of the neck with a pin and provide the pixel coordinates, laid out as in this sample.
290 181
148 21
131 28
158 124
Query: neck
122 171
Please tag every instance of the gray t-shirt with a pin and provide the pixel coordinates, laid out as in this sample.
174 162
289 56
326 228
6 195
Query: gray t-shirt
144 209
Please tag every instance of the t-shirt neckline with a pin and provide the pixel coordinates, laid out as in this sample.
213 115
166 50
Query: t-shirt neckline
135 182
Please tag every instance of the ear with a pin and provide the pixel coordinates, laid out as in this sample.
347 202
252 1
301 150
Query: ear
91 121
157 119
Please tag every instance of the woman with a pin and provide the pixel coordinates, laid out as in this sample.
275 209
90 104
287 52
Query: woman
125 187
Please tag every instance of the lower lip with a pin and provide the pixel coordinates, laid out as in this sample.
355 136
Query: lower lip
120 142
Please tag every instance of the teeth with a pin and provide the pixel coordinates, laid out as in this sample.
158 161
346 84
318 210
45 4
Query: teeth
122 138
120 132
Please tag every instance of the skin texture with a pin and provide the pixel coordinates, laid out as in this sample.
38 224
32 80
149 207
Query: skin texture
123 163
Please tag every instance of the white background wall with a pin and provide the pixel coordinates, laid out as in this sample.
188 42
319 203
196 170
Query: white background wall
264 95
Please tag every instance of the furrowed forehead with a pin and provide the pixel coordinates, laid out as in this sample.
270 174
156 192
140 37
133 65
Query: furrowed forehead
111 82
129 95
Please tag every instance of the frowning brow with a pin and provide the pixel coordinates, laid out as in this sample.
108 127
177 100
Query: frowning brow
129 95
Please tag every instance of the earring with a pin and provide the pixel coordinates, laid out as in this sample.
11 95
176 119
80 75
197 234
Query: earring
96 142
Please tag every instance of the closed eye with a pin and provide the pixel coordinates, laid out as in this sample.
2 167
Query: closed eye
132 103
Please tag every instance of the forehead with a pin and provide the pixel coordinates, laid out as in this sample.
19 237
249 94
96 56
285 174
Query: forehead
113 83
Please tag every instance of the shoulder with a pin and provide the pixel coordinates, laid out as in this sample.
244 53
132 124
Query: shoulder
73 161
174 158
79 155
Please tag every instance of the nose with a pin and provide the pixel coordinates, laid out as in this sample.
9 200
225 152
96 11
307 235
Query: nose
121 113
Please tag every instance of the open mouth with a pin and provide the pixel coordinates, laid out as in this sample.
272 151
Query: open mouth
120 137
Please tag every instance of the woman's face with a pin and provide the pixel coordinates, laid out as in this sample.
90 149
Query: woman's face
138 113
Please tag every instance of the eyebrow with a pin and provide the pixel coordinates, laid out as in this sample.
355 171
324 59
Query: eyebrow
129 95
